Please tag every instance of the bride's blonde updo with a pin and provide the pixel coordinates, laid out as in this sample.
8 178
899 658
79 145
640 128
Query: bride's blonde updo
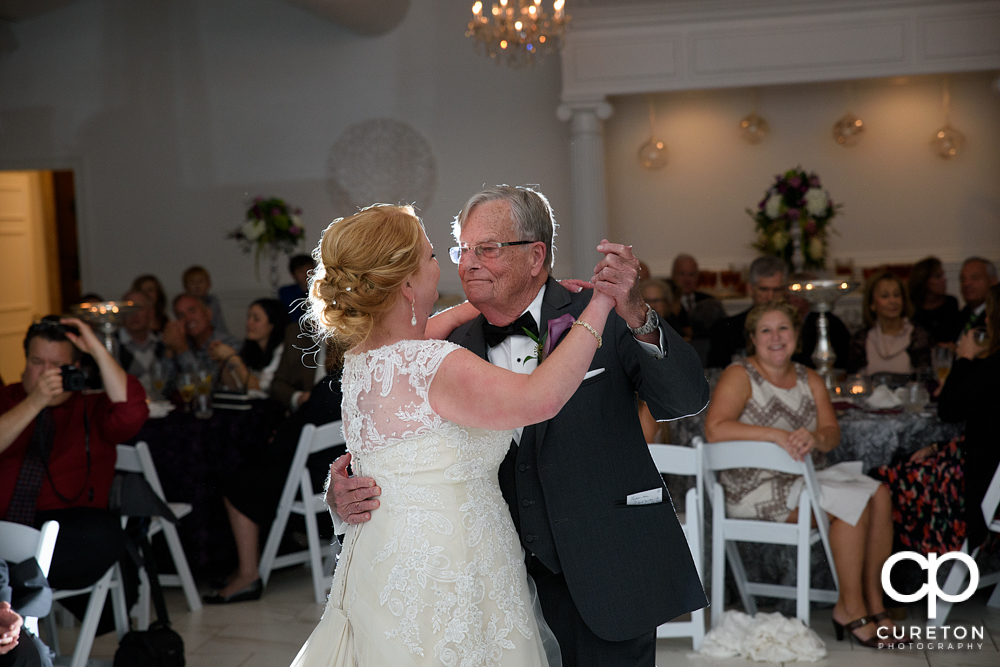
361 262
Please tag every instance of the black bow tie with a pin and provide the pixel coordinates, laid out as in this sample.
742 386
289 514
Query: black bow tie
495 335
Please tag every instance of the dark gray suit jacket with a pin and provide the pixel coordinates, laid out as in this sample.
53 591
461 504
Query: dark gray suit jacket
628 567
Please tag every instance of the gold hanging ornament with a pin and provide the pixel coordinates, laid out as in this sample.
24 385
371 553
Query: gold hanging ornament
653 152
848 129
753 128
947 142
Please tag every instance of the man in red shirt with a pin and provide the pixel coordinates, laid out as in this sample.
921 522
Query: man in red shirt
57 448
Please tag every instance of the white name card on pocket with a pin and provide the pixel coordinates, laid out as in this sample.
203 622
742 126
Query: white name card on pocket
646 497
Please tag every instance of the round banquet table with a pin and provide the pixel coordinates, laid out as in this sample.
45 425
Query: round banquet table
193 457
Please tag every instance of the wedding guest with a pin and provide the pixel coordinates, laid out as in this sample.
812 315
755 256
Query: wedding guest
253 367
766 396
767 283
303 363
197 283
141 350
293 296
971 394
252 493
889 343
150 285
933 308
977 277
58 451
703 310
189 337
18 646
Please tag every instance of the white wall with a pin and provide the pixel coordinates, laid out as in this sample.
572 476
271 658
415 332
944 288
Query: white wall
174 114
901 202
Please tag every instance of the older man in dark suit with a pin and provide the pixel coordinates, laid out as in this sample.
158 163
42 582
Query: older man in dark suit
601 538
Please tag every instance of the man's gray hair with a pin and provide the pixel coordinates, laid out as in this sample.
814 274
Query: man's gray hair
991 268
766 266
529 211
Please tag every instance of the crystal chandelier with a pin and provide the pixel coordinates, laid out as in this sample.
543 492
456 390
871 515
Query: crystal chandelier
517 31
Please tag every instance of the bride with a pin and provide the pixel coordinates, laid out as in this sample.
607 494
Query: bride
437 576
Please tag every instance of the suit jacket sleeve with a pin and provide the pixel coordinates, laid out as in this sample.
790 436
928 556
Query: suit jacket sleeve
673 386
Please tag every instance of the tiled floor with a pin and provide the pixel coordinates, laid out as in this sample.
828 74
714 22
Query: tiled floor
269 632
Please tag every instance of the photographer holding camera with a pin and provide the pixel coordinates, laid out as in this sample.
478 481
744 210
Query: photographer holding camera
57 448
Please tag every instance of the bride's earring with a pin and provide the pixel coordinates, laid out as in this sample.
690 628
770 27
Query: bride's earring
413 320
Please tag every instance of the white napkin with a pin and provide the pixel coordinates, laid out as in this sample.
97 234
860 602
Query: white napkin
160 409
883 398
762 638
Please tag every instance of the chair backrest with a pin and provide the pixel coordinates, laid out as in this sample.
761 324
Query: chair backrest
680 460
19 543
140 459
991 500
326 436
749 454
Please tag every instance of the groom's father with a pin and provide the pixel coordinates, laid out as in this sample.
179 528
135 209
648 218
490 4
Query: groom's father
601 538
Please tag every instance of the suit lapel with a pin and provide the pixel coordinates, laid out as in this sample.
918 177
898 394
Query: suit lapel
474 340
555 303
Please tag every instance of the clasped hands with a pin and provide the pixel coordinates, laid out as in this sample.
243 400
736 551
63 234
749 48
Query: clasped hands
616 277
798 443
10 628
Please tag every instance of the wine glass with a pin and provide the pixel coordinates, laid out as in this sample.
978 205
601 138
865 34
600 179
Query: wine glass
941 359
159 375
187 389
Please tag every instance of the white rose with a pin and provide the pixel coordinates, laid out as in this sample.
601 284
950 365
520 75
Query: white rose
773 206
815 248
816 202
253 229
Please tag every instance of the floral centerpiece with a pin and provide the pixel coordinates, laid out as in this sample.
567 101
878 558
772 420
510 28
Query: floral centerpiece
271 225
796 200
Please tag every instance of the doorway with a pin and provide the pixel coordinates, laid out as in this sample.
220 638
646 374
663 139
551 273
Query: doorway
39 256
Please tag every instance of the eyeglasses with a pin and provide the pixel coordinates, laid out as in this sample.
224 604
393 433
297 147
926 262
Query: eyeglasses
490 250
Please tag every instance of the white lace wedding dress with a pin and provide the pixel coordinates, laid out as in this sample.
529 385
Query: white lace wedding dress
437 576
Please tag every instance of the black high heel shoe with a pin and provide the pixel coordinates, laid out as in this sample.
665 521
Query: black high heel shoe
251 592
871 642
891 639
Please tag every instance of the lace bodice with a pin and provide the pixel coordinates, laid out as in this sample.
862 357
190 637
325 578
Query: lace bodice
385 392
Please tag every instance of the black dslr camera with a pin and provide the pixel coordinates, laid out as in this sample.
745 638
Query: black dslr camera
73 378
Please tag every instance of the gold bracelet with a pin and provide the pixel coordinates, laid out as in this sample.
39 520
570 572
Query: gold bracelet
591 330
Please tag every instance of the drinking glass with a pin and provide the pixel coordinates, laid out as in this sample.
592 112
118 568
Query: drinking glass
942 358
159 374
980 336
187 389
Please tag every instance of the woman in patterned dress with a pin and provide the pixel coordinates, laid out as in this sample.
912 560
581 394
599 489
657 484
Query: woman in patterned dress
437 576
768 397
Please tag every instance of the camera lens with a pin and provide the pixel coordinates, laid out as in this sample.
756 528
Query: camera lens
73 378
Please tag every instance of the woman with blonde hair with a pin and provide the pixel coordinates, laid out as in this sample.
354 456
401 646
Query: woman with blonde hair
768 397
437 575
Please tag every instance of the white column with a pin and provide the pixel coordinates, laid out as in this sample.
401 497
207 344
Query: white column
586 153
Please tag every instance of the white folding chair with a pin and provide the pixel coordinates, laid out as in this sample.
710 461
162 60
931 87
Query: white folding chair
19 543
139 459
110 582
726 532
312 439
677 460
959 574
